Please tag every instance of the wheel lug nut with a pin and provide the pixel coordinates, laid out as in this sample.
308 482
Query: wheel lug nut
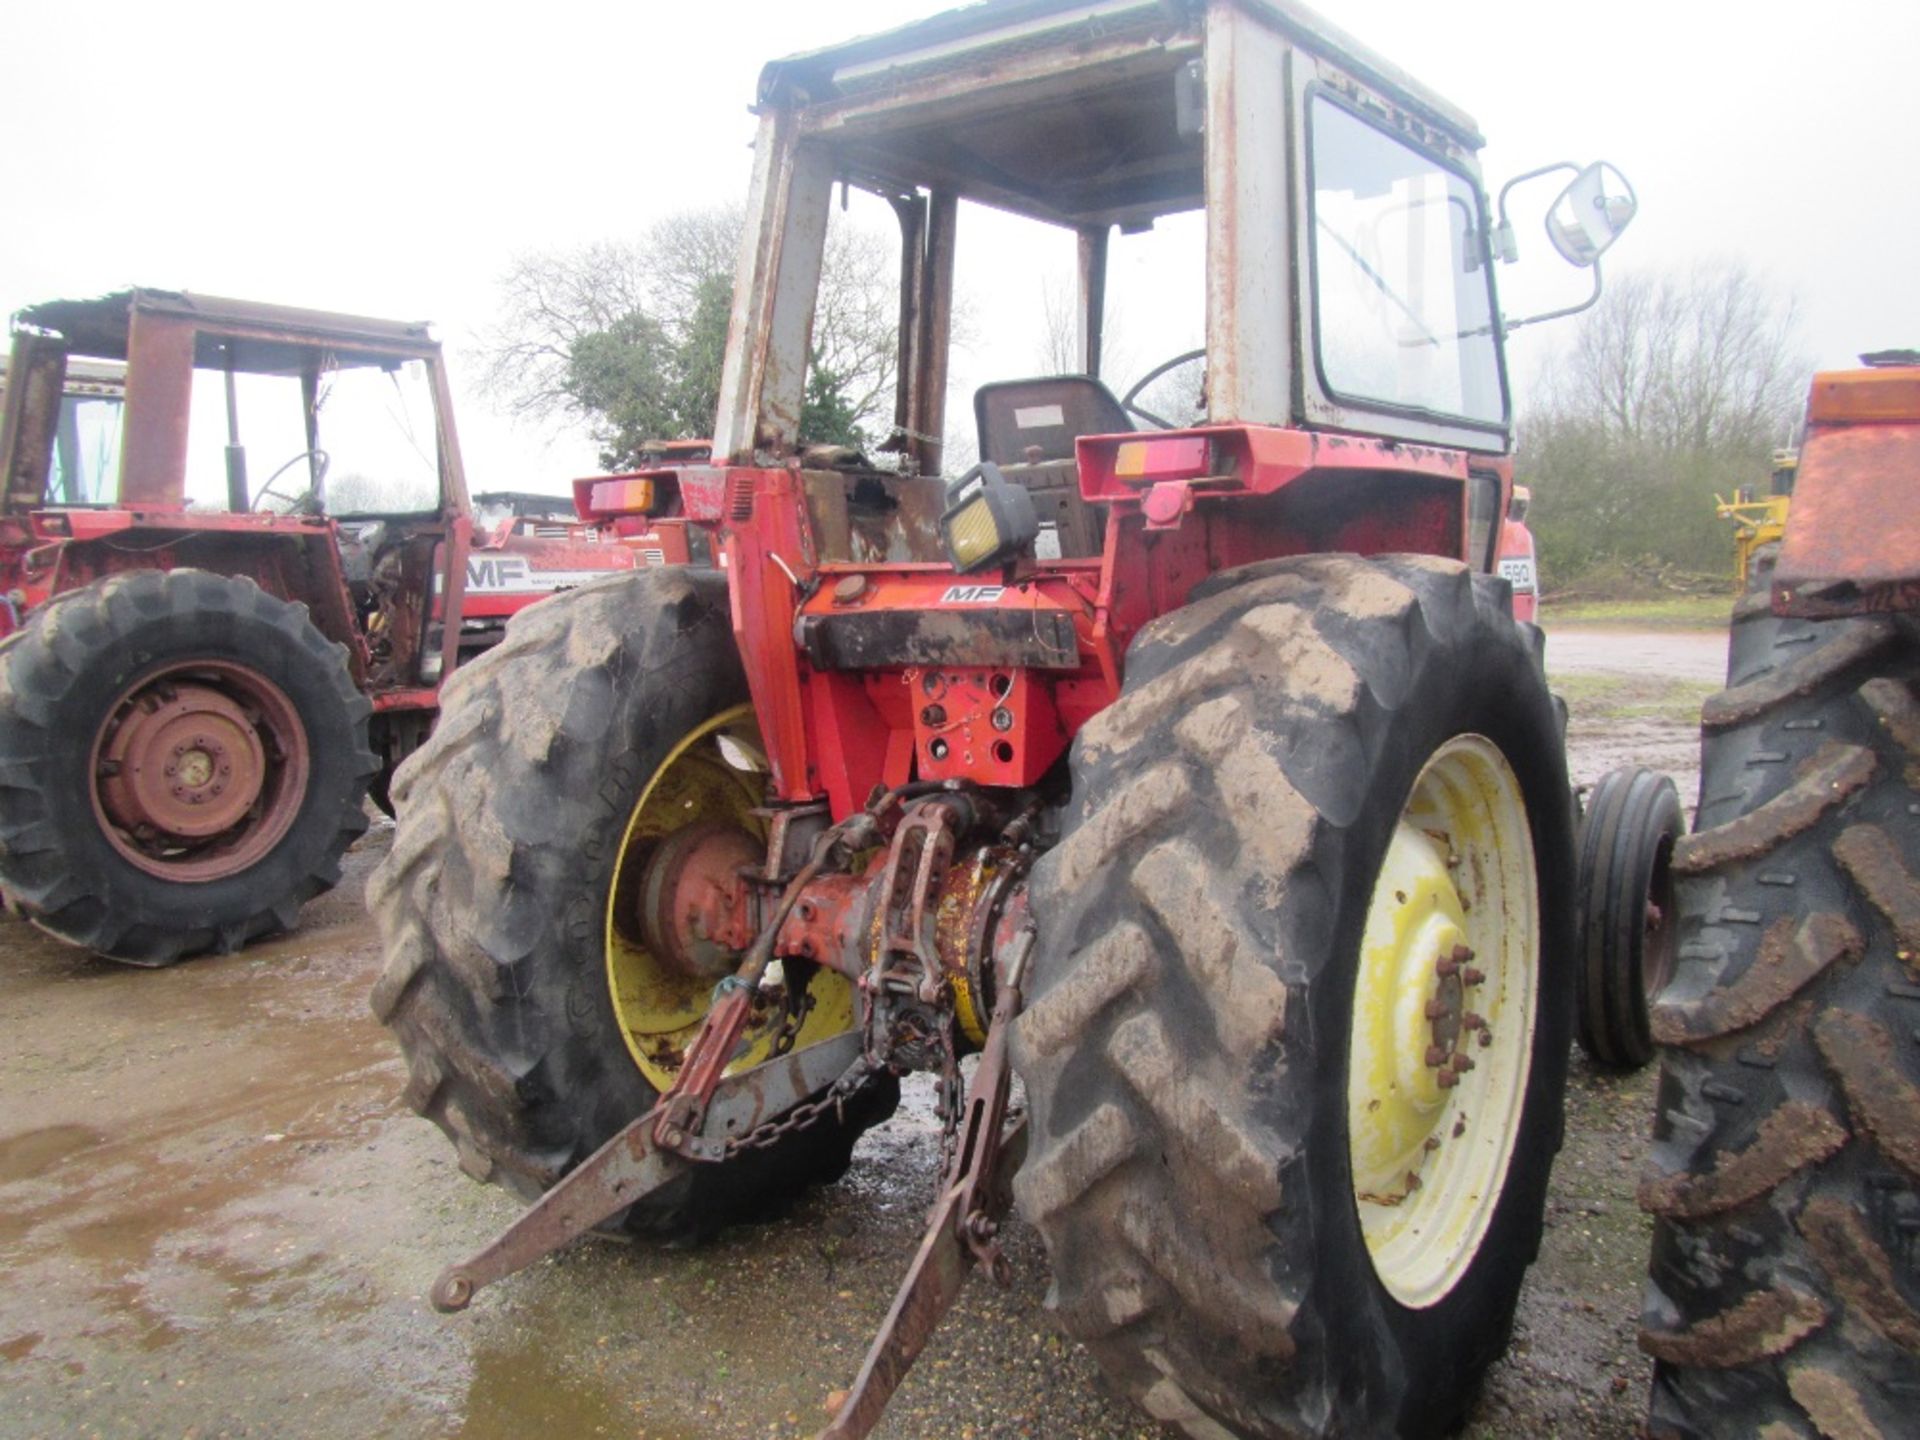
1447 1079
1436 1057
1471 1021
1461 954
1413 1182
1435 1009
1445 966
1462 1061
1430 1144
172 768
1486 1038
1471 976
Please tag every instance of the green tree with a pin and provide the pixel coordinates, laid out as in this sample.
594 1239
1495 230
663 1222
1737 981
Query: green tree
828 415
629 337
626 377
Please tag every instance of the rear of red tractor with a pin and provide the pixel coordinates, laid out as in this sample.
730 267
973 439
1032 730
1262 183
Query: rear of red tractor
1202 775
207 671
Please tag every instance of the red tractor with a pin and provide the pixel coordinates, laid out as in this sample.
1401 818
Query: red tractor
208 667
1201 776
1784 1296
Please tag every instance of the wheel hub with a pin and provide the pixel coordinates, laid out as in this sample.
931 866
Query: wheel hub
186 764
694 904
1443 1020
199 770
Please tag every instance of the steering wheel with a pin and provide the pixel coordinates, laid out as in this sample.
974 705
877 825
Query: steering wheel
1127 400
322 461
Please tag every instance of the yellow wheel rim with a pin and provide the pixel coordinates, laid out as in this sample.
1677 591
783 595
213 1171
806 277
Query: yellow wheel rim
1430 1135
717 772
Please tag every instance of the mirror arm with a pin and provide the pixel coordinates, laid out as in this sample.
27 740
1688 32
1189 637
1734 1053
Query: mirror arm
1508 326
1503 232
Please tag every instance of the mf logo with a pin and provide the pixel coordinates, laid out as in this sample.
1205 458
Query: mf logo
505 572
972 594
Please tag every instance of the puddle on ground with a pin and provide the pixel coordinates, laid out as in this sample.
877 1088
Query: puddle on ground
20 1346
34 1152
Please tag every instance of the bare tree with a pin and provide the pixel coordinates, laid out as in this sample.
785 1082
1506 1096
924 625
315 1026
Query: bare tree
550 301
1056 351
1696 359
1674 388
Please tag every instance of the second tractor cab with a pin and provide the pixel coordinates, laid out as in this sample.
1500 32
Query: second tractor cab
236 548
1199 772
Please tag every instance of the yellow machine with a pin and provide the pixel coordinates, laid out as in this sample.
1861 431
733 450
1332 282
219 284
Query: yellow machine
1760 521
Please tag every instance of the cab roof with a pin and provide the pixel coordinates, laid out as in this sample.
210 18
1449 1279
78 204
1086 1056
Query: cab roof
970 33
102 327
1077 112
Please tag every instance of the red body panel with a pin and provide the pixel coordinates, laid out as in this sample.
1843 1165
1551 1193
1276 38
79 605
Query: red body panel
839 732
1515 563
1853 532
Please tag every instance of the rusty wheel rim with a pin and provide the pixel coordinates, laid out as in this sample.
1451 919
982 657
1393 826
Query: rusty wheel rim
198 770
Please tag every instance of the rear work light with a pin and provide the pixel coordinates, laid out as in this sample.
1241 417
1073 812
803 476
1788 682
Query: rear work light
1179 457
990 518
620 497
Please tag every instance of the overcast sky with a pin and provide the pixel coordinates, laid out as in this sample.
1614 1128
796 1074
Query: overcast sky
390 158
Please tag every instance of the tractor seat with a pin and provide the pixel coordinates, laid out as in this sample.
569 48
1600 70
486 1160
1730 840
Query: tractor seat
1027 428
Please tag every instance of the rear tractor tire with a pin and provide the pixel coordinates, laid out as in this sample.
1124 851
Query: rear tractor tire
183 759
609 730
1302 1006
1626 920
1783 1296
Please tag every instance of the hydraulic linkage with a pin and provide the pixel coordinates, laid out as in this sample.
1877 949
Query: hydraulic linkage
943 931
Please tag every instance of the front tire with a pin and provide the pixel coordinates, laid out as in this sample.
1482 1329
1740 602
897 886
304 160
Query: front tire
182 763
1257 845
517 823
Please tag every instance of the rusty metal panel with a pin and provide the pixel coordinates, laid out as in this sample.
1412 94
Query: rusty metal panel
1250 332
1040 639
1853 533
153 450
936 331
36 375
874 520
1092 319
763 379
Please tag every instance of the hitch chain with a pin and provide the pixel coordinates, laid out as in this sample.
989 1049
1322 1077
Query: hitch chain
801 1116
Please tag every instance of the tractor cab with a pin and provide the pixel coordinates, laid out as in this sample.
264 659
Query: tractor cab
1348 391
1347 271
239 437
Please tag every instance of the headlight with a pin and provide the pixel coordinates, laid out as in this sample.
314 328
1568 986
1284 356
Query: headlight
989 518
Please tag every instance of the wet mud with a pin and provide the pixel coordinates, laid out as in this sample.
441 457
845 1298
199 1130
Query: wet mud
217 1220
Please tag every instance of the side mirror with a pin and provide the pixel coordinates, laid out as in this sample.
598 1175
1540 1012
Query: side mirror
1590 214
1583 222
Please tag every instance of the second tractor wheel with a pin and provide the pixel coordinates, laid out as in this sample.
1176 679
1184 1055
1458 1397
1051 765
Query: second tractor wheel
1301 1005
1783 1294
1626 920
560 856
182 763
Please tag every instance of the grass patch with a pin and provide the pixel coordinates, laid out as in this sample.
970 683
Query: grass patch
1594 697
1669 612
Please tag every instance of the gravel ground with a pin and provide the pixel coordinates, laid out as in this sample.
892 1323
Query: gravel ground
215 1220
